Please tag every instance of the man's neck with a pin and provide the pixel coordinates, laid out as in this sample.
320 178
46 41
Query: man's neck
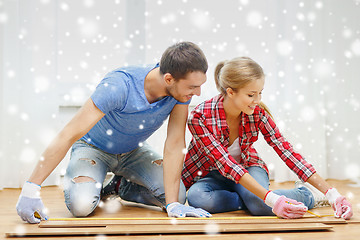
154 86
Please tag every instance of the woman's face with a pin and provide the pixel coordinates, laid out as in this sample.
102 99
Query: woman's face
246 98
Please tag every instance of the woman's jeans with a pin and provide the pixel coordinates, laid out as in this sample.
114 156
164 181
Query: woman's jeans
141 170
215 194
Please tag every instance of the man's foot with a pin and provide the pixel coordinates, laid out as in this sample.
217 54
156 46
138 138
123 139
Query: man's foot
319 197
111 188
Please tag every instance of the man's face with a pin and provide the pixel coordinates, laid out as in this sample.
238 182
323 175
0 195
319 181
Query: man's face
184 88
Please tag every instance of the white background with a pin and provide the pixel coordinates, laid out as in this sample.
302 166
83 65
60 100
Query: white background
53 54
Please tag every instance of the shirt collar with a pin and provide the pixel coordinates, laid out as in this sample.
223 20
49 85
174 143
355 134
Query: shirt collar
220 111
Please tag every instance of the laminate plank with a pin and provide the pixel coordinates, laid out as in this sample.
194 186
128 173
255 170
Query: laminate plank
53 199
31 230
178 221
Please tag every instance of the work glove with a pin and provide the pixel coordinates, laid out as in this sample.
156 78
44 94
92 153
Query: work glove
177 209
341 206
30 204
285 207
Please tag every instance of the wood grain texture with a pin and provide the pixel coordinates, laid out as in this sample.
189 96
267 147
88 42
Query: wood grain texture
53 199
31 230
187 221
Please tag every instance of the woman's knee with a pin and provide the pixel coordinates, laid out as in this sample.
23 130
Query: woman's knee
198 197
256 206
182 194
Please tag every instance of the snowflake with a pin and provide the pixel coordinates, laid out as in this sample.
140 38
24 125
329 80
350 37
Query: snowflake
254 19
284 47
3 18
355 47
201 19
41 84
89 3
28 155
212 228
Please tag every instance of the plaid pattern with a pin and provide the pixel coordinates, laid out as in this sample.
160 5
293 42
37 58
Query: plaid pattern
208 148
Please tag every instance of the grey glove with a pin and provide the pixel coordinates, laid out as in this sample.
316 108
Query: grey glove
177 209
30 203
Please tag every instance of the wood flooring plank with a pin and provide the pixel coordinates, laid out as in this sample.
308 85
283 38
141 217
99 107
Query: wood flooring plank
31 230
54 201
198 221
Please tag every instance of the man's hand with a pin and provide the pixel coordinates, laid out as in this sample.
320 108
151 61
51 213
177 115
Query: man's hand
285 207
30 203
341 206
177 209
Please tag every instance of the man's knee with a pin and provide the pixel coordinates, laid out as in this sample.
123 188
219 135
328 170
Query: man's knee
82 196
82 179
81 207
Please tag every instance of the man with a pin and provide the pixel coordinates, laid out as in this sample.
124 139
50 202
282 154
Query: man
109 133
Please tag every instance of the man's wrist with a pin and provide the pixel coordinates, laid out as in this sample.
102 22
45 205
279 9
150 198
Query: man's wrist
170 206
31 190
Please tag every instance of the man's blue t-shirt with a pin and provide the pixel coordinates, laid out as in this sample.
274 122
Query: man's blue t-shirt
129 118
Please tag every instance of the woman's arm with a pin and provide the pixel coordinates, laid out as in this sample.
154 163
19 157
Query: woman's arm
283 148
282 206
301 167
252 185
319 183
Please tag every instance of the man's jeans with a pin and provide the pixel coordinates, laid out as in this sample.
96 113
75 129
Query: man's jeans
140 168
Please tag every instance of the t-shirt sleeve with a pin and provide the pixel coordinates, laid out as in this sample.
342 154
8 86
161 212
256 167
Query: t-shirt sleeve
112 92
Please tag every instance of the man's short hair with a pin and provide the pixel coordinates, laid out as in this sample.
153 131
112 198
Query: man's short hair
182 58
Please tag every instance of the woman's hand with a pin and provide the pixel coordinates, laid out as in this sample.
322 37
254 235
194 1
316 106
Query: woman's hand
285 207
341 206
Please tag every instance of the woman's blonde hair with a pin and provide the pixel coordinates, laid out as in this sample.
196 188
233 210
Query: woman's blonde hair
237 73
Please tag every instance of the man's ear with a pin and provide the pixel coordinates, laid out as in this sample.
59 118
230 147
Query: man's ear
169 79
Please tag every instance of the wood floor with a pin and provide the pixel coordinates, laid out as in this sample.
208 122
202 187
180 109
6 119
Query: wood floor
54 201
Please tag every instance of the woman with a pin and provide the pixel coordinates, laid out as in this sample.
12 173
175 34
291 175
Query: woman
223 172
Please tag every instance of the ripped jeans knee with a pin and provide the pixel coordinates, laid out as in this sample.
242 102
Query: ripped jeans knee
83 180
82 195
158 162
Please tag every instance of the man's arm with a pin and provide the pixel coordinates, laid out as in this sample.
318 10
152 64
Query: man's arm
81 123
174 152
29 201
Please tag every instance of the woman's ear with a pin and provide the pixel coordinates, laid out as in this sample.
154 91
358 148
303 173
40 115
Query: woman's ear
230 92
168 78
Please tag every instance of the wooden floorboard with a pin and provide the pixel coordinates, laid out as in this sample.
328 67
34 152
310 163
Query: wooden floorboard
167 229
197 221
54 201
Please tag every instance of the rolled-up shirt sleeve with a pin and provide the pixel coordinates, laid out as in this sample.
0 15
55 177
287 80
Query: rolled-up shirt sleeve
283 148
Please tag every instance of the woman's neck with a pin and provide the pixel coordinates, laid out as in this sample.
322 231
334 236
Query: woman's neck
230 110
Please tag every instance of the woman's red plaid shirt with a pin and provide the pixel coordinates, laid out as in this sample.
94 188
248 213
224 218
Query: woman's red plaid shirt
208 148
